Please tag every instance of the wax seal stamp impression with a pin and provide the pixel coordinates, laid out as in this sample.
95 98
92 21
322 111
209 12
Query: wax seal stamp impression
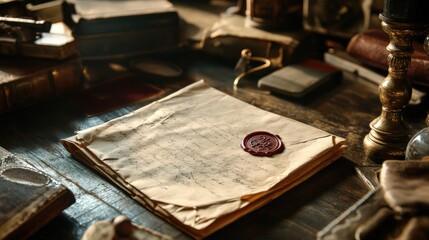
262 143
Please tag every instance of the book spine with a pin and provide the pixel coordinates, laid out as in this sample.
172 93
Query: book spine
40 86
370 48
128 43
127 24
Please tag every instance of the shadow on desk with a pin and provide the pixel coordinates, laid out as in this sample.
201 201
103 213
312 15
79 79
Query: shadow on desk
35 134
302 211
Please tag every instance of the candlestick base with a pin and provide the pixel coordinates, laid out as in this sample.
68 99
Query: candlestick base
389 133
381 146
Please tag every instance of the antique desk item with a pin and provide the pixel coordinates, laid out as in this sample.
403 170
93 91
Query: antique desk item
181 158
28 197
31 38
397 209
297 214
344 227
274 14
370 48
110 29
418 147
249 65
389 135
230 35
262 143
338 18
346 62
298 80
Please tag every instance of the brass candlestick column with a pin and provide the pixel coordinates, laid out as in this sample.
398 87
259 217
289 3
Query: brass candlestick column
389 133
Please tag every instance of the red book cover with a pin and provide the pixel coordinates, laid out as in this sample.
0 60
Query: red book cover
370 47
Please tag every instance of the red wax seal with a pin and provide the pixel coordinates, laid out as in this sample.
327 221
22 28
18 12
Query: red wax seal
262 143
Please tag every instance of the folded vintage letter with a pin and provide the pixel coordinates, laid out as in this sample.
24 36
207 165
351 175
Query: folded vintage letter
181 156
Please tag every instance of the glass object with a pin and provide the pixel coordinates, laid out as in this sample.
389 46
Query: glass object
340 18
274 14
418 146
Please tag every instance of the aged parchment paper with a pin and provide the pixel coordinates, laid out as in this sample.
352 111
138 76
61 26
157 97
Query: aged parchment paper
183 153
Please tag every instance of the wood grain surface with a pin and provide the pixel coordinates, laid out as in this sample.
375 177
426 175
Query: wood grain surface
344 109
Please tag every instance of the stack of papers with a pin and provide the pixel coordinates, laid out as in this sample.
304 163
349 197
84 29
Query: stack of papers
181 157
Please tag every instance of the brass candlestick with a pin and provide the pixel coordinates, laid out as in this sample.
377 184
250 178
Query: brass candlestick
389 133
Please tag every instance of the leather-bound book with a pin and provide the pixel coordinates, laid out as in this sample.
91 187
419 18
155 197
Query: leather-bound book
29 198
370 47
111 29
27 81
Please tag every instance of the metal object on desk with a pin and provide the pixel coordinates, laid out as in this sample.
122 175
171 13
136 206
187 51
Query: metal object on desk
418 147
37 25
244 68
24 30
32 38
389 133
345 226
369 176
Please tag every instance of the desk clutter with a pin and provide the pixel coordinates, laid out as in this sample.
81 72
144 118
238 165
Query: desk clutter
37 62
189 153
82 32
42 60
398 209
29 198
112 29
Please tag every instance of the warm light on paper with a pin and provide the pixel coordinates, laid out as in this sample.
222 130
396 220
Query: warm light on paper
184 152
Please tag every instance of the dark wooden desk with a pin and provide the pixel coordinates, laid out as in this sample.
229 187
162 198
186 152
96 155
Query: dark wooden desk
344 109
